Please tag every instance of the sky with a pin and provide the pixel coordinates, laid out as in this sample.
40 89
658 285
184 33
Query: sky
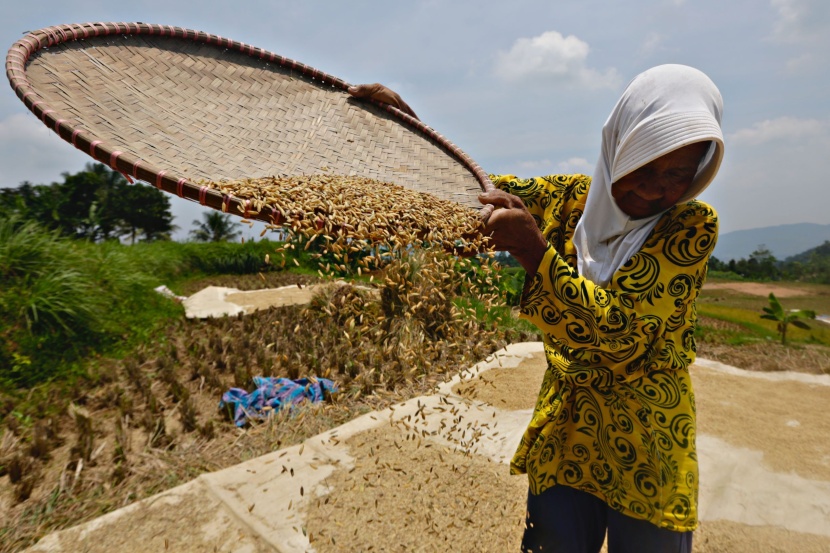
523 87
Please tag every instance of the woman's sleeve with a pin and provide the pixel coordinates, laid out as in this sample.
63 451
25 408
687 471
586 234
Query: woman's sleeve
541 195
617 334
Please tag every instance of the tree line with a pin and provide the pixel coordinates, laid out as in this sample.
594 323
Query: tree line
95 204
810 266
99 204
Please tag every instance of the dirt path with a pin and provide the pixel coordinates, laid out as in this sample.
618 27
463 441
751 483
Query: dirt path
757 289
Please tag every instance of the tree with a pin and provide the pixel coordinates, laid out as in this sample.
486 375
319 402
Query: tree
810 266
716 264
94 204
775 312
143 211
215 227
764 264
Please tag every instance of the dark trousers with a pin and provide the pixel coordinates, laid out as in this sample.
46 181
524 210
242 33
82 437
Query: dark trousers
566 520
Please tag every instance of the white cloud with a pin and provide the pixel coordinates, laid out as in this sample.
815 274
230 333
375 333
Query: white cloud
575 165
651 44
774 173
30 151
803 25
780 129
548 167
536 166
801 20
551 55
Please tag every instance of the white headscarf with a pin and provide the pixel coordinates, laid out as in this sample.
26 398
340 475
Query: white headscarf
662 109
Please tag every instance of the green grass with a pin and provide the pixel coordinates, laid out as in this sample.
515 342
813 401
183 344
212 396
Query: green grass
752 330
64 301
745 310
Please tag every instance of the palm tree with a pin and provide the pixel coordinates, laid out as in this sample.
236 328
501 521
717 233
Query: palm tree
215 227
775 312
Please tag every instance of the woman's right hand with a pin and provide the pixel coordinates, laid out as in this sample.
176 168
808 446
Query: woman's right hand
380 93
512 228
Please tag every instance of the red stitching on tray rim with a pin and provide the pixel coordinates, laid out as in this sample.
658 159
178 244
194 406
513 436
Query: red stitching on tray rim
158 179
135 168
29 46
179 189
202 194
51 37
114 158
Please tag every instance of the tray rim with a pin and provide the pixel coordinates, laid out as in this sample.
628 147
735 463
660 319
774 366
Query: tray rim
169 181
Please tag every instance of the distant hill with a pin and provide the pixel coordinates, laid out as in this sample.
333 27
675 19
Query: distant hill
783 241
806 256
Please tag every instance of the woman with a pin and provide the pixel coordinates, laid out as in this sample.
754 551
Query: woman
614 265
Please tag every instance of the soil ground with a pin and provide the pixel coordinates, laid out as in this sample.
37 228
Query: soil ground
426 497
757 289
467 503
394 491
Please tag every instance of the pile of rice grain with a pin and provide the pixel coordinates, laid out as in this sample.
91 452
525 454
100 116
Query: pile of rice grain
350 214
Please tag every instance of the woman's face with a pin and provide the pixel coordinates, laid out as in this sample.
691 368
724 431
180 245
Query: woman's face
658 185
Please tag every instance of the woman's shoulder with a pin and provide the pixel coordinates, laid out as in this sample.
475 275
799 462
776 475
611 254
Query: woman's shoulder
567 184
686 234
555 179
694 212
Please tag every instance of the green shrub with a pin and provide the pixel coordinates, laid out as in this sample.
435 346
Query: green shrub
512 284
171 261
63 298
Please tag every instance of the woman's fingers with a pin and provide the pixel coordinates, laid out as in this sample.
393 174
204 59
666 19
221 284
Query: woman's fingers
380 93
364 90
485 213
500 198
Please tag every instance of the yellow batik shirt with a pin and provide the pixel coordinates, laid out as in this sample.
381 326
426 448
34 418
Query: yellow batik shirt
615 416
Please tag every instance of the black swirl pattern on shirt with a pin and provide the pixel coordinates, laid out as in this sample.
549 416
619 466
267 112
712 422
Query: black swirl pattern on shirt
689 246
659 389
639 274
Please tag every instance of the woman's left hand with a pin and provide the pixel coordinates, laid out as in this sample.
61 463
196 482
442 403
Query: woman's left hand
512 228
383 94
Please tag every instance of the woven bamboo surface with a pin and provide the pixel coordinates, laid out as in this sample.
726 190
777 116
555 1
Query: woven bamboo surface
169 106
